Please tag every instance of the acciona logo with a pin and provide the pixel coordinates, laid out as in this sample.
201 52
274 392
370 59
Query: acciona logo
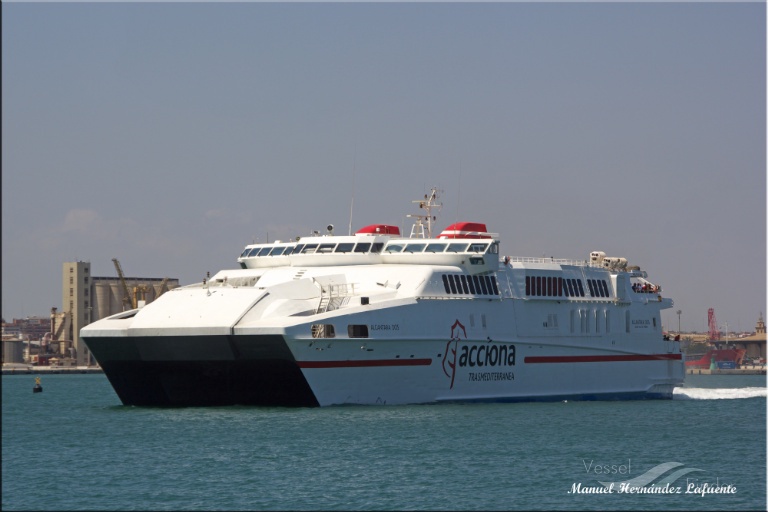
476 357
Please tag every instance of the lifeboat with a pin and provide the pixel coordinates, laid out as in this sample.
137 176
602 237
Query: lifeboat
379 229
466 230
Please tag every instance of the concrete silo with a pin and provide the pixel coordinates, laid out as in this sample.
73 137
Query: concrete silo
102 307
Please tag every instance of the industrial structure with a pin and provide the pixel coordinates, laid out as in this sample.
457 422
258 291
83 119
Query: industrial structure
87 298
714 331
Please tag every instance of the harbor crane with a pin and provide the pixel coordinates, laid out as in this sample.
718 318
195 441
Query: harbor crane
162 289
127 303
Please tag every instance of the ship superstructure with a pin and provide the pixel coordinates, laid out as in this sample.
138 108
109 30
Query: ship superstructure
375 318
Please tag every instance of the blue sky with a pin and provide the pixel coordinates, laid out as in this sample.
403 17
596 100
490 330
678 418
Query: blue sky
171 135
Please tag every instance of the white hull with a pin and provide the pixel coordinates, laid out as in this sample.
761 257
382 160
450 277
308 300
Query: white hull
490 364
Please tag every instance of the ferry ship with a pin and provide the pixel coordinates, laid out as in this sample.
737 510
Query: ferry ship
376 317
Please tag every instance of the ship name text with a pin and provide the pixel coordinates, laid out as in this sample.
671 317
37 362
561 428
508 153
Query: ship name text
487 355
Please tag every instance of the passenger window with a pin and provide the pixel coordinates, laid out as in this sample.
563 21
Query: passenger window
445 284
471 284
452 283
483 285
357 331
325 248
464 283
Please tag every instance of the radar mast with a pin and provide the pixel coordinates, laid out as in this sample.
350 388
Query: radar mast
422 226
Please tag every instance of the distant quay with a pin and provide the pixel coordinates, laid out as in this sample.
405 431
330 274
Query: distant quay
755 370
49 370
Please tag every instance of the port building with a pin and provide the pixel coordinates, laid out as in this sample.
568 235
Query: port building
87 298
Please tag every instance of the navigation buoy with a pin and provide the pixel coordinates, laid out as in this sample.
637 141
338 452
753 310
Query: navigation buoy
38 387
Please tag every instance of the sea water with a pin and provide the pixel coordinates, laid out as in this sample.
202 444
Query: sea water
75 447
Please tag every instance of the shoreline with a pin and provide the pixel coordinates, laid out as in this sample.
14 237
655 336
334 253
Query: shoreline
48 370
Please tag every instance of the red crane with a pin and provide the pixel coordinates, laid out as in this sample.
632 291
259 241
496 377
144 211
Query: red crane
714 332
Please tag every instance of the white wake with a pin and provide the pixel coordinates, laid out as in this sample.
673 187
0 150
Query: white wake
718 393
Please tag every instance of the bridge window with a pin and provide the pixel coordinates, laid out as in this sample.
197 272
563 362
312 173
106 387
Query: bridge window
414 247
362 247
394 248
435 248
245 252
344 247
277 251
478 247
309 249
457 247
377 247
288 250
298 249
